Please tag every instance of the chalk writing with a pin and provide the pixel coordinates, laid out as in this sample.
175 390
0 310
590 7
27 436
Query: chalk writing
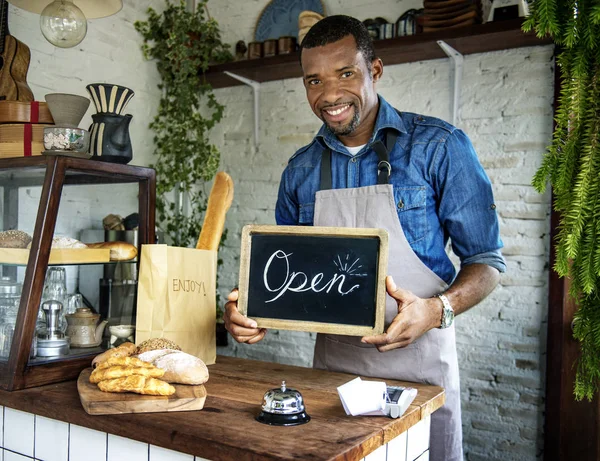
298 282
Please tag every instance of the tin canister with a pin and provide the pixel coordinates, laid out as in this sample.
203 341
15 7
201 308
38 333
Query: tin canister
386 31
255 50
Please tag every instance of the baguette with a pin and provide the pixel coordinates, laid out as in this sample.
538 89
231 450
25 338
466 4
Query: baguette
219 201
119 251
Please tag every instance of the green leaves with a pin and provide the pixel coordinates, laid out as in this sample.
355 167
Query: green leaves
183 44
572 165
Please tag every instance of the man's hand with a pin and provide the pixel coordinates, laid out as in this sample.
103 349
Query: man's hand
243 329
416 316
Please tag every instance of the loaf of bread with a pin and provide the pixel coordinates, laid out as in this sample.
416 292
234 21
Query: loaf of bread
180 368
65 242
14 239
154 344
138 384
119 251
124 350
219 201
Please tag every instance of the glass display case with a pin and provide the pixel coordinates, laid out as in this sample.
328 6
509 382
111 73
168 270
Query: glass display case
58 300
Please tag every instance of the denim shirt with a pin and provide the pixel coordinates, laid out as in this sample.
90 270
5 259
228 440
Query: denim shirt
440 189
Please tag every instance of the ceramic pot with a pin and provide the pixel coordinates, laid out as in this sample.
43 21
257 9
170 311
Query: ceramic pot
109 139
109 98
67 109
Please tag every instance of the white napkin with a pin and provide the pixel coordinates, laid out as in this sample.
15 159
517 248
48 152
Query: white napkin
368 398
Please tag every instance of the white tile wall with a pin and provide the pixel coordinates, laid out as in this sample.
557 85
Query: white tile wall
18 431
12 456
397 448
423 457
378 455
25 436
122 449
86 444
51 439
162 454
417 441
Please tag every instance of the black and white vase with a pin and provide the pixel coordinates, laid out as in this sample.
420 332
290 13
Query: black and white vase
109 133
109 98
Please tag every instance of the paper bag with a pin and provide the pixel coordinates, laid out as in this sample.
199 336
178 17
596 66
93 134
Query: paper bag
176 298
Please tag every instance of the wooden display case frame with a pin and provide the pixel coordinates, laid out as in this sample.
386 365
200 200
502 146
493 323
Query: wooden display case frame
17 372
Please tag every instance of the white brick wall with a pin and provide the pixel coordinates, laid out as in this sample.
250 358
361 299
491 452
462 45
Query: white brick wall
506 109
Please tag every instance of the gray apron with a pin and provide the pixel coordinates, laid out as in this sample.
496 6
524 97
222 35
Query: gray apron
431 359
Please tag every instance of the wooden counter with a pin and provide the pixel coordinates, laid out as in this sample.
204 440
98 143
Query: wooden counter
226 429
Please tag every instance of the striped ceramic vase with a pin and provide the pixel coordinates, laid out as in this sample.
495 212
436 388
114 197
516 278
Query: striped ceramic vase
109 133
109 98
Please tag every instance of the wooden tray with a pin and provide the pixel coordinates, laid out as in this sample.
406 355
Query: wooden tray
96 402
58 256
20 112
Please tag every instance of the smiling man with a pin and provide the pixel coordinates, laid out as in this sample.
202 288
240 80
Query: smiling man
417 177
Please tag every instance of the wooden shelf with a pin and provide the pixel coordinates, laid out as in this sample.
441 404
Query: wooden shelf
479 38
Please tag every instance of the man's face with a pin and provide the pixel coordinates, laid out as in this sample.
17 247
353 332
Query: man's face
340 87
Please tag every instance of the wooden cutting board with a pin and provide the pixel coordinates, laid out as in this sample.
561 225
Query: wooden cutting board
96 402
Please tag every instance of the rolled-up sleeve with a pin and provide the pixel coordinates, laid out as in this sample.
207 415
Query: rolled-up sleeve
286 209
467 210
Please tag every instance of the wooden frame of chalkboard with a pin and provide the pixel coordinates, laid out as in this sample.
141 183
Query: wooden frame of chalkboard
281 288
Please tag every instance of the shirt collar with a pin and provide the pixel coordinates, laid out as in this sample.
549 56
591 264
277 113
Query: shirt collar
387 117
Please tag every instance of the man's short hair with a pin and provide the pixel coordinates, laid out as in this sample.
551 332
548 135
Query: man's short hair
334 28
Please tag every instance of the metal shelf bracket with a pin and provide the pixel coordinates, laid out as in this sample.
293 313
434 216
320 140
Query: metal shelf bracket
256 93
456 79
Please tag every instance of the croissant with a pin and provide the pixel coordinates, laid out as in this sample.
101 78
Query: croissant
120 371
138 384
124 350
124 361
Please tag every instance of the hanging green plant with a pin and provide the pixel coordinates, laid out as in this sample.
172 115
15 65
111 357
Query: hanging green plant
572 165
183 44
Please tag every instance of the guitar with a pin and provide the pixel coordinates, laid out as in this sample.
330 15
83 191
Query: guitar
14 63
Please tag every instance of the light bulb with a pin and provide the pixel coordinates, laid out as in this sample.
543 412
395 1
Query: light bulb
63 24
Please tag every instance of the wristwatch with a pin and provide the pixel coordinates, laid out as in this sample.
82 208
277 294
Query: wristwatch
447 312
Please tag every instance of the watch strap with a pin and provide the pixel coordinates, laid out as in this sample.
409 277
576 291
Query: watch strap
447 312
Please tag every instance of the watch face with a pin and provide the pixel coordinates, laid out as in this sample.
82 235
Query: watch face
448 317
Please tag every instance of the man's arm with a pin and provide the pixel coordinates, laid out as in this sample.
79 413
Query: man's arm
416 316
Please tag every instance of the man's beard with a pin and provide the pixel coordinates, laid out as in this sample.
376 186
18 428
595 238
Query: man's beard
346 129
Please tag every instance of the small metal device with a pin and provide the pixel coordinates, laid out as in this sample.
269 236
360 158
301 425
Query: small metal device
283 407
52 341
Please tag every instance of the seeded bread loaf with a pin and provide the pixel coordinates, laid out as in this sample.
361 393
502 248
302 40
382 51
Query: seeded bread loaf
153 344
14 239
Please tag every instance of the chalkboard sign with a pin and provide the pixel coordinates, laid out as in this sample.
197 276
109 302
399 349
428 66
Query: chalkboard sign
320 279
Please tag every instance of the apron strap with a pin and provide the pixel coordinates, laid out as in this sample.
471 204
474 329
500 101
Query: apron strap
326 170
384 168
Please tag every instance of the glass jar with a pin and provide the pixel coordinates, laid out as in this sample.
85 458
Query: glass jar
7 330
10 292
55 289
